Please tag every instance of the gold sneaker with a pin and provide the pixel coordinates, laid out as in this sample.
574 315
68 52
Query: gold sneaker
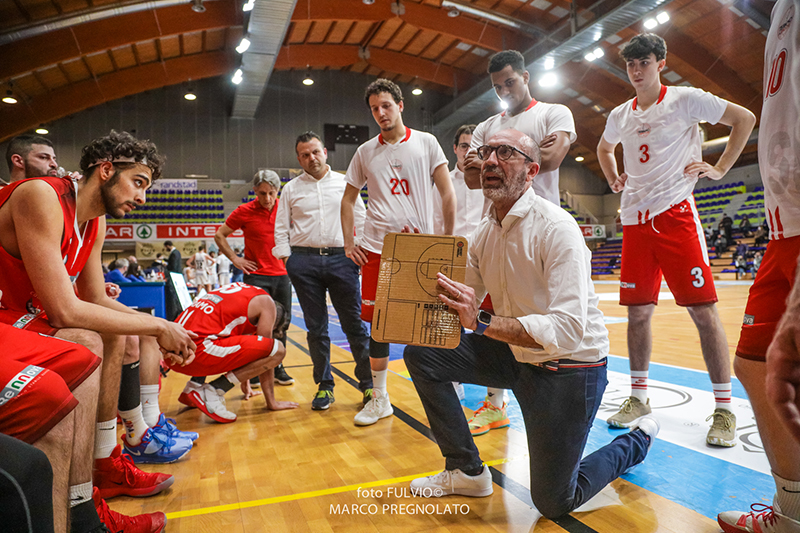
629 413
723 429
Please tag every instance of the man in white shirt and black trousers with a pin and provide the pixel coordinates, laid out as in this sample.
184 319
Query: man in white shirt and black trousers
547 343
308 237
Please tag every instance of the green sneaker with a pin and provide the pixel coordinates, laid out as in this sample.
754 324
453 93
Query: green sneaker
322 400
629 413
723 429
488 417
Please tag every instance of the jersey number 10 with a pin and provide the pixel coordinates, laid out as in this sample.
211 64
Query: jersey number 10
776 74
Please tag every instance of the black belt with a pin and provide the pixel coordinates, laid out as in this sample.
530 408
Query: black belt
317 251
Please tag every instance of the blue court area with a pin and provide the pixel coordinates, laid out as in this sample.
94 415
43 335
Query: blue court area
699 481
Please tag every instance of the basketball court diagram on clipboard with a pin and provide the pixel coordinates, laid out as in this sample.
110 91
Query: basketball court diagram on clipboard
407 307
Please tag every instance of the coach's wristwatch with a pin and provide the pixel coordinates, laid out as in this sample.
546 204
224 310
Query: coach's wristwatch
484 319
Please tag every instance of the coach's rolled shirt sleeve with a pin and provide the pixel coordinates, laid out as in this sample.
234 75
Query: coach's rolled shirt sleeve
537 269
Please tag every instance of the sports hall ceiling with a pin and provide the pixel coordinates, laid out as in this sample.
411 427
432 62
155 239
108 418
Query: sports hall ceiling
59 57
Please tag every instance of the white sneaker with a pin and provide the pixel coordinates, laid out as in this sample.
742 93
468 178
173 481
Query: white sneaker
376 408
455 481
650 426
214 405
762 519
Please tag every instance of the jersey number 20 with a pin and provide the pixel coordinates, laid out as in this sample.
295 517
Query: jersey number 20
400 186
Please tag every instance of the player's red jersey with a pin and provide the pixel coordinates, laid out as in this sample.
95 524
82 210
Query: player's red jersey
221 313
16 290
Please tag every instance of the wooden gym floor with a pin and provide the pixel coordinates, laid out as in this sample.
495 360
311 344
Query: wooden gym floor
304 470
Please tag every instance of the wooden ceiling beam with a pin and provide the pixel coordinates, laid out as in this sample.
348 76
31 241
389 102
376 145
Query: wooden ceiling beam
419 15
710 70
35 53
341 56
89 93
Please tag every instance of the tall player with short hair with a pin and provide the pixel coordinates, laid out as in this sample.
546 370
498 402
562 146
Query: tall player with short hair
397 167
765 335
552 128
659 132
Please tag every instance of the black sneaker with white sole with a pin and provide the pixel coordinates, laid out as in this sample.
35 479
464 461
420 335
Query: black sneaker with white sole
281 377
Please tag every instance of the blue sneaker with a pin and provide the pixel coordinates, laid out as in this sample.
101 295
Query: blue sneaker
156 448
166 429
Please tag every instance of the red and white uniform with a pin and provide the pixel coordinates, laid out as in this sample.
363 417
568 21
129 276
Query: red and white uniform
537 122
398 178
37 375
258 225
779 161
779 131
471 205
227 339
19 305
657 144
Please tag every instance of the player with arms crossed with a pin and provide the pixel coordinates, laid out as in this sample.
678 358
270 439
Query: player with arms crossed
397 167
661 148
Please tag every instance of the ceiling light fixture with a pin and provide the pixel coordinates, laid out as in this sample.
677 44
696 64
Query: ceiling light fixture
368 2
662 17
249 5
453 12
650 23
579 159
549 63
243 46
416 91
308 80
190 96
41 130
237 77
548 80
198 7
9 97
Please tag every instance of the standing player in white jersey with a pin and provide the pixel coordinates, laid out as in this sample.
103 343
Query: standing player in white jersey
397 167
552 127
469 202
201 261
224 265
661 147
779 378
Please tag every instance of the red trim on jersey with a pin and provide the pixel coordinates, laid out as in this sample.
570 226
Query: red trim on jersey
533 103
404 139
661 94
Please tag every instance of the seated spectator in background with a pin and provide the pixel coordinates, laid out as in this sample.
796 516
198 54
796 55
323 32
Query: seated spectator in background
118 272
762 233
134 272
741 266
745 226
720 245
742 249
726 225
756 263
235 327
612 263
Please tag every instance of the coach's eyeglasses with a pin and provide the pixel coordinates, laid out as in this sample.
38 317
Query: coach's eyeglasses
504 152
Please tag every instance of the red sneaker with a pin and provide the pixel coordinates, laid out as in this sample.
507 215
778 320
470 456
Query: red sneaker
117 476
119 523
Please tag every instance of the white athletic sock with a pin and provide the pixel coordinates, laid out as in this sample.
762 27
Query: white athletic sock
79 494
134 424
788 496
639 385
722 395
150 408
496 396
379 380
105 439
232 378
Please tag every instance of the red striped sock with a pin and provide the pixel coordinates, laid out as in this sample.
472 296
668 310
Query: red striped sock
722 395
639 385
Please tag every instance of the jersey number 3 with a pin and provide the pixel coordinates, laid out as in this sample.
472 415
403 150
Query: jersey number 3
645 150
400 186
698 280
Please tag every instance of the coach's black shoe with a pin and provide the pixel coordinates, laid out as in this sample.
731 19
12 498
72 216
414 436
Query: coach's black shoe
281 377
322 400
